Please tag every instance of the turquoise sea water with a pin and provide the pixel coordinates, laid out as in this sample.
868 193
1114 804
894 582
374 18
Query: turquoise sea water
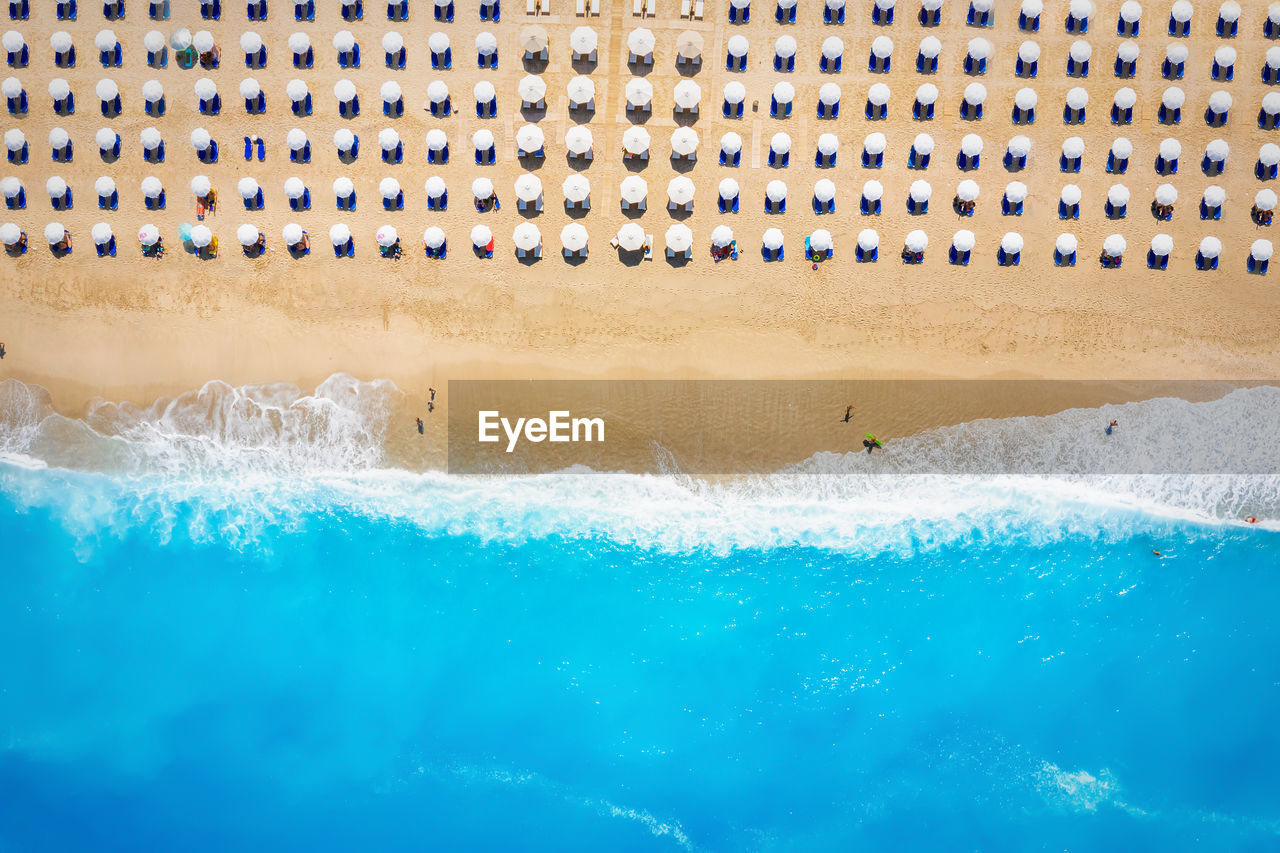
211 658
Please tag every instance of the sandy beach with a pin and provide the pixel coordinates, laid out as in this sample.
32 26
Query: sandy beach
130 328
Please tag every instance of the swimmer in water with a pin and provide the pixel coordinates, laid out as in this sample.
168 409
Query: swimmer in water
1112 426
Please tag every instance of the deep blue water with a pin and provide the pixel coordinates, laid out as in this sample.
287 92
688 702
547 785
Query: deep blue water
348 680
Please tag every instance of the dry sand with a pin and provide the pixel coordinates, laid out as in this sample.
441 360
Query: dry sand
133 328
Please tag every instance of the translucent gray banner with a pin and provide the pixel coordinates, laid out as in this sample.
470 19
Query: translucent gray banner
716 427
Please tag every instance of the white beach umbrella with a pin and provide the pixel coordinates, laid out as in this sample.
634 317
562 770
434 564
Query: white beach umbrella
344 90
1019 146
203 41
631 237
772 239
528 187
828 144
737 46
964 241
434 236
292 234
14 139
1128 51
1080 51
344 139
150 138
868 239
487 43
201 236
54 232
930 47
920 191
1176 53
832 47
1071 194
294 188
296 139
1118 195
1220 102
576 188
393 42
780 143
483 140
882 47
12 41
927 94
154 41
56 187
873 190
389 188
776 191
249 88
968 190
388 139
481 236
583 40
784 92
1114 245
104 186
581 90
635 140
526 237
247 187
684 141
247 234
151 187
435 186
437 91
299 43
482 188
731 143
975 93
574 237
1170 148
200 186
437 139
344 40
200 139
878 94
59 88
680 190
916 241
1272 57
205 89
971 145
296 90
148 235
1029 51
437 42
1162 245
1066 244
1073 147
1011 243
1077 98
1166 194
634 189
687 94
639 92
923 144
1265 199
1211 247
578 139
101 233
531 89
1122 148
820 240
1126 98
824 190
1130 11
785 47
679 238
386 236
11 87
484 92
339 234
1025 99
735 92
105 40
10 186
1270 103
721 235
106 89
689 44
58 138
529 138
640 41
1262 250
1173 98
343 187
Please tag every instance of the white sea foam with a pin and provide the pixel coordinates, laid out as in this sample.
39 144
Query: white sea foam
229 462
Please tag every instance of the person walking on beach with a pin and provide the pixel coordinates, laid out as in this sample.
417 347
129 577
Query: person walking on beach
1 349
1112 426
431 407
419 426
433 394
848 414
870 442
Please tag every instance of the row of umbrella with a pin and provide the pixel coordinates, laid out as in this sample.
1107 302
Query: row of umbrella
574 239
